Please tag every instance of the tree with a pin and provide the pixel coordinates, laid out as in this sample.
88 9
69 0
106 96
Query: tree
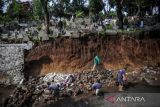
59 9
37 9
95 6
1 6
19 10
14 9
44 4
106 4
141 5
119 12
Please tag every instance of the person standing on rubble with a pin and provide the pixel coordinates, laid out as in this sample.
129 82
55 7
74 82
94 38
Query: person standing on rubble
96 87
54 89
121 78
97 62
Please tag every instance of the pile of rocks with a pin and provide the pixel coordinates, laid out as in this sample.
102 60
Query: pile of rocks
53 77
152 73
34 90
88 77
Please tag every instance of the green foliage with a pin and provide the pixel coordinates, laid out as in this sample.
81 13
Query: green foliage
95 6
108 26
5 18
79 14
101 15
16 8
102 33
39 27
78 5
58 10
37 9
112 14
125 21
64 23
135 7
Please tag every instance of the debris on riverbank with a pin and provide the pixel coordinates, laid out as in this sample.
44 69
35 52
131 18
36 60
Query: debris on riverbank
33 91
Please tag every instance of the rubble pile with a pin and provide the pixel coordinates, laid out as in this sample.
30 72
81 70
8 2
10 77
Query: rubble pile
53 77
33 91
151 73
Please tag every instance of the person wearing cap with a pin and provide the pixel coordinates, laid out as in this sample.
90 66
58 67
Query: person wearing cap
96 87
121 78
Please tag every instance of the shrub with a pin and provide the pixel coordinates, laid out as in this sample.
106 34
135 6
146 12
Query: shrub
108 27
39 27
125 21
112 14
79 14
5 18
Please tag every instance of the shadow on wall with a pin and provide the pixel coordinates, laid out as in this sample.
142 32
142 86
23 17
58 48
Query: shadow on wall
33 68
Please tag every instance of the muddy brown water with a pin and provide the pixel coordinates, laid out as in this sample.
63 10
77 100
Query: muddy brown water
88 100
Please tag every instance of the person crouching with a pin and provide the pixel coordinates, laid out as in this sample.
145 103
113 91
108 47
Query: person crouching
96 87
54 89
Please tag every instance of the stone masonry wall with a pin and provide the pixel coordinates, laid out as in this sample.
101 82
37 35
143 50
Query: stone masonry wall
11 63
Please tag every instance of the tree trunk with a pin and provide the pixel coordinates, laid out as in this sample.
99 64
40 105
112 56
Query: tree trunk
119 14
46 15
159 9
105 12
139 10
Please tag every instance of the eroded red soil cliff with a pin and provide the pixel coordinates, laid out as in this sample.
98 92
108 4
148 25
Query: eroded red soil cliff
76 54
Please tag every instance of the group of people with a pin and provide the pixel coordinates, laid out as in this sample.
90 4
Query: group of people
55 88
120 78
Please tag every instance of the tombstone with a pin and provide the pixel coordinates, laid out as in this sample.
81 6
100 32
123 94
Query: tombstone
25 38
23 33
99 28
72 18
19 36
141 24
113 23
26 30
155 10
4 36
43 26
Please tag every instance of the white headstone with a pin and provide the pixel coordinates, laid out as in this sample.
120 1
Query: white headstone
142 24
